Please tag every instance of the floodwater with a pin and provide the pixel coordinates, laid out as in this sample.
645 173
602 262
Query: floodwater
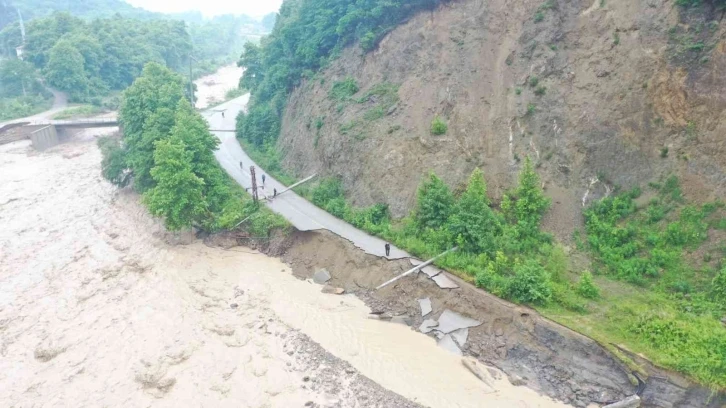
99 306
212 88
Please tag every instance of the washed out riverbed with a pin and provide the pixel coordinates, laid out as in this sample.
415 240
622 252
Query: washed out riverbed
100 306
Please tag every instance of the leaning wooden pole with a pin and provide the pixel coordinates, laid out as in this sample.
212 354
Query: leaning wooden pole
297 184
417 267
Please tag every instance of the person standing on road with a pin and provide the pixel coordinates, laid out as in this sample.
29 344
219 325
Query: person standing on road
388 249
222 114
263 180
240 165
274 192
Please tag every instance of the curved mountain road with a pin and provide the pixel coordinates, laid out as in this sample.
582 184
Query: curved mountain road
304 215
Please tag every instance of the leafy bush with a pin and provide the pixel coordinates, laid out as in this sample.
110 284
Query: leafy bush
343 90
438 126
113 165
530 284
586 287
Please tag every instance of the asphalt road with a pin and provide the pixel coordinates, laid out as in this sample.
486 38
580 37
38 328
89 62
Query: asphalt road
304 215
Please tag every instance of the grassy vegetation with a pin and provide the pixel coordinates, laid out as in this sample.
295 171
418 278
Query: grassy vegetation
539 15
22 106
344 90
82 111
380 98
260 221
269 159
662 286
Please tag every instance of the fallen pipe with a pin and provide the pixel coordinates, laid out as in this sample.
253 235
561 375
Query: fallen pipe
417 267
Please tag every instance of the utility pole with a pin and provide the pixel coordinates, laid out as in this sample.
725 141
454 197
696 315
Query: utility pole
254 184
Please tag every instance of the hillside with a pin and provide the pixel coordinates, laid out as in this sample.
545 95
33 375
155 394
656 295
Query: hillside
621 84
619 106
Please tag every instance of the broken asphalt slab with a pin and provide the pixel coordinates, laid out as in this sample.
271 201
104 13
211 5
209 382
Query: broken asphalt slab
425 305
460 336
444 281
448 343
428 325
436 274
451 321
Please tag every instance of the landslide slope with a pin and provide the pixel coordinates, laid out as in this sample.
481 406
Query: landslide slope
600 94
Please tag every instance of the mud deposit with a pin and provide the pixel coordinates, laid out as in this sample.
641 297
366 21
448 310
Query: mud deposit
99 306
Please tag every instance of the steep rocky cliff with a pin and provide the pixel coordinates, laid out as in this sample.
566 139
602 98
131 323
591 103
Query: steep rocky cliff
600 94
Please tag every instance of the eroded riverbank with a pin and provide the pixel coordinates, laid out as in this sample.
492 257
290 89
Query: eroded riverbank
100 306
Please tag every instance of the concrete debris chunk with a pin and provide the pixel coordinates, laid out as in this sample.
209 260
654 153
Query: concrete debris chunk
630 402
425 306
444 281
428 325
447 342
321 276
450 321
460 336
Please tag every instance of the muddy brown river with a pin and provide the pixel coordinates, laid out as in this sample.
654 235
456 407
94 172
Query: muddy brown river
100 306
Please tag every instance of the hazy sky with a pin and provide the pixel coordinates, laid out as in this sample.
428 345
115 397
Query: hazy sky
211 7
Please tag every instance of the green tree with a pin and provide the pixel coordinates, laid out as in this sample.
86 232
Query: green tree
524 208
147 114
474 223
177 196
434 203
17 78
65 69
191 128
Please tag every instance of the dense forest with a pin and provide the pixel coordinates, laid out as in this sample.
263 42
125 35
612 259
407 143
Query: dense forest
29 9
90 58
